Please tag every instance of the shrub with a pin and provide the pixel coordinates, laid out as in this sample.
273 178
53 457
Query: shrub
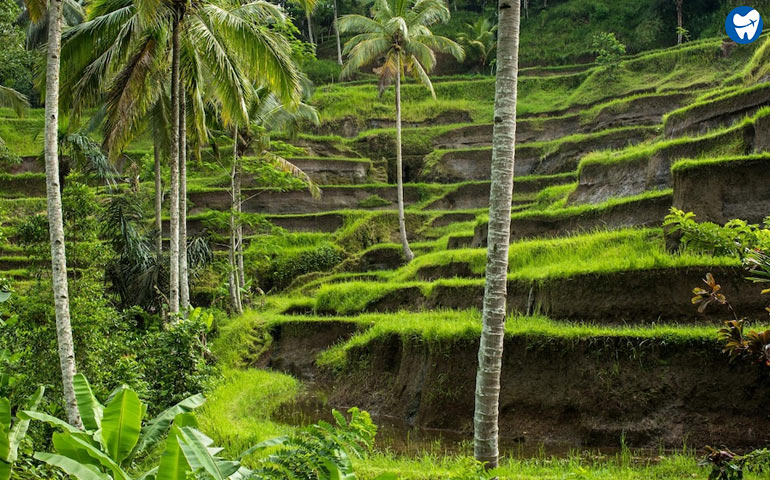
373 201
287 268
736 238
322 72
608 50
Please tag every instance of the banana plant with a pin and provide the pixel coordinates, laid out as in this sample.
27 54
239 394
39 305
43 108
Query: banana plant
13 432
113 434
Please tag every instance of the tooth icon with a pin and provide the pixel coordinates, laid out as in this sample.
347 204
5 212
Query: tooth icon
746 25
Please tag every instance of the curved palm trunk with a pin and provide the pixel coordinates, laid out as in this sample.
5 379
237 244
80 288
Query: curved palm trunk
399 168
495 291
309 27
235 288
173 297
158 198
55 221
184 281
337 34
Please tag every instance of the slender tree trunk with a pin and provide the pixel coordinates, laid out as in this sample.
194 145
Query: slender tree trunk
55 221
158 197
173 297
184 280
309 27
496 288
235 290
337 35
399 168
526 9
239 231
679 22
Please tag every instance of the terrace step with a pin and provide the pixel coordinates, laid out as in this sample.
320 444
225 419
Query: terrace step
634 111
300 201
475 195
613 297
461 165
720 112
632 172
648 211
724 189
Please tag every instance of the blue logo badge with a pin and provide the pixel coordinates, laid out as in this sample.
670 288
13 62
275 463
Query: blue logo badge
743 25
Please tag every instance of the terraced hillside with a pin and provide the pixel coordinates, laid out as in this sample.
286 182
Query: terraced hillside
602 341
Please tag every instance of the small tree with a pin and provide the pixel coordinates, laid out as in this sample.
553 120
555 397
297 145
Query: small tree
608 50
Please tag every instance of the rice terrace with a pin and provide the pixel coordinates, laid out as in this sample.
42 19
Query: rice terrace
384 239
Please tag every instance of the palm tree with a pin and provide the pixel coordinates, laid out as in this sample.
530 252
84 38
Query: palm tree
398 32
53 200
479 41
308 6
337 34
217 48
493 331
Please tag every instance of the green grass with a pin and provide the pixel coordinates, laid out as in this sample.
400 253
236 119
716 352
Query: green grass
586 208
726 162
726 96
238 408
718 143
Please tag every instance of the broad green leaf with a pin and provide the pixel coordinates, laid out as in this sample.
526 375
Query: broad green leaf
173 464
19 430
157 427
5 428
74 442
195 446
121 424
90 409
271 442
65 445
4 296
49 419
72 467
5 470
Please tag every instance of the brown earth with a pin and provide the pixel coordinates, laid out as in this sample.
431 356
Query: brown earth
725 191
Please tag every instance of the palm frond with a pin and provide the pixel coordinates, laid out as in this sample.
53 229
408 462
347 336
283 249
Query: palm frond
286 166
11 98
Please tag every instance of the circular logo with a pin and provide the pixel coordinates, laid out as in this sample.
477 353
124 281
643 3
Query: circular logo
743 25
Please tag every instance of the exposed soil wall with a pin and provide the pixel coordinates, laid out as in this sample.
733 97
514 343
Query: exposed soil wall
717 113
476 195
334 172
298 201
723 191
600 181
582 392
634 296
648 212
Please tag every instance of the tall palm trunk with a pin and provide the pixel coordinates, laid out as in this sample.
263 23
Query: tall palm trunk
158 197
679 22
235 289
501 193
337 35
309 26
184 281
55 221
239 231
173 297
399 168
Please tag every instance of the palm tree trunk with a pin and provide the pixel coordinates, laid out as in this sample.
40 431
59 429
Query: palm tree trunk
158 197
501 193
235 290
399 168
337 35
239 231
173 297
679 21
309 26
184 281
55 221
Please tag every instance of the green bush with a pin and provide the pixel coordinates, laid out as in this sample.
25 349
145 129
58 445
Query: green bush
736 238
373 201
321 72
287 268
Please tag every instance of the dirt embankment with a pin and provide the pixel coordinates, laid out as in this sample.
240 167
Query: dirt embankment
724 191
586 392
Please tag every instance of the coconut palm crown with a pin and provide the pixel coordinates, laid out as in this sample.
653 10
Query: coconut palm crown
399 33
